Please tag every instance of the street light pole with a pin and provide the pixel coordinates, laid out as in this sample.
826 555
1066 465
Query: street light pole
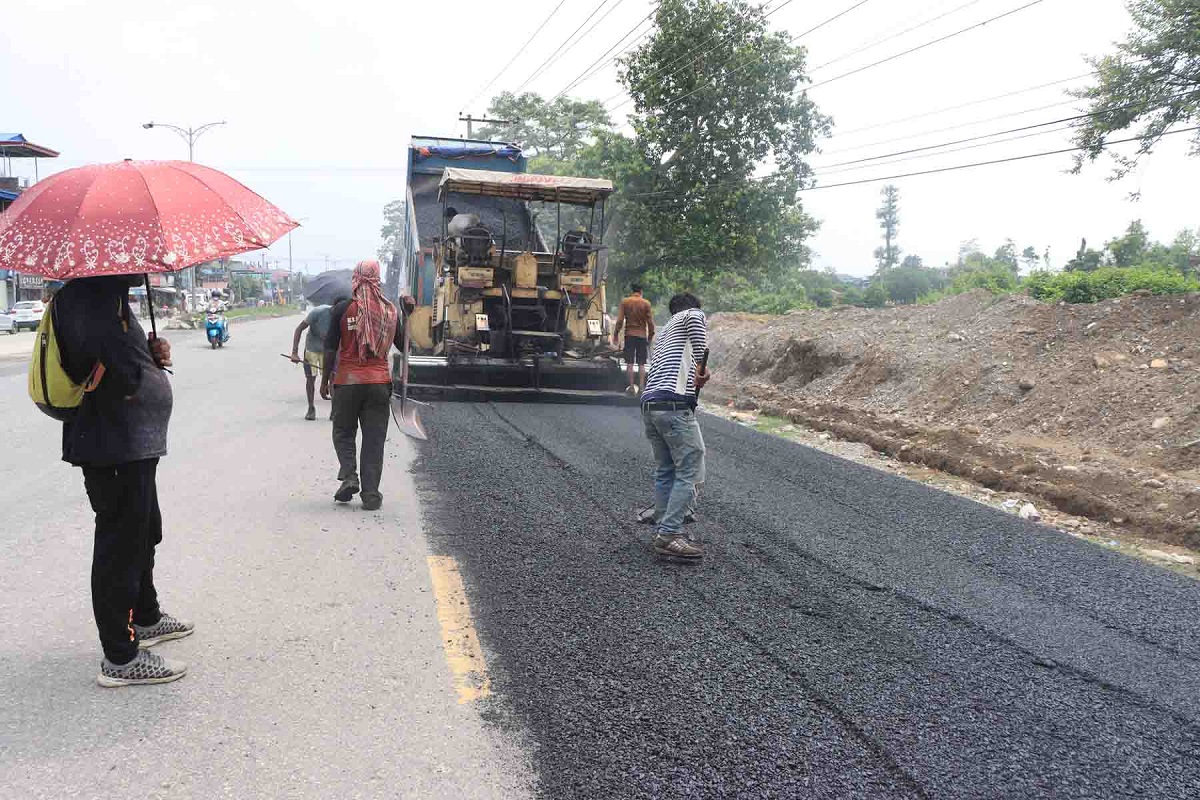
189 135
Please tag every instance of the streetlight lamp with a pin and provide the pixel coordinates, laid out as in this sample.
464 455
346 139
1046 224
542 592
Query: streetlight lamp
189 135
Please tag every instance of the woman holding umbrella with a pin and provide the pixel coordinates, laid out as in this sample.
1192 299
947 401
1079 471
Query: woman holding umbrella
101 229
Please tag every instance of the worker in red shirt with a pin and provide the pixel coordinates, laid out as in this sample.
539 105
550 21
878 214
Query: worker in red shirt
361 333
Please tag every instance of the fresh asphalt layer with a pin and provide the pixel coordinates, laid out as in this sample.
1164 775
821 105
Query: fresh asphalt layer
849 634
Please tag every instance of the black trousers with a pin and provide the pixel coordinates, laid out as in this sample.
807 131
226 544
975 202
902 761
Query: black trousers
366 406
128 528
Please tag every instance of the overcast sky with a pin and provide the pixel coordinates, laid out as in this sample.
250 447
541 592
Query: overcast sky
321 99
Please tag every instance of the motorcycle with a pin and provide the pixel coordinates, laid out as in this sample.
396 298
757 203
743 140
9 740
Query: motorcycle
216 327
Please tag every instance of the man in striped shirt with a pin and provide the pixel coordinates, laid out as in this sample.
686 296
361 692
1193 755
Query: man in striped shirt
669 415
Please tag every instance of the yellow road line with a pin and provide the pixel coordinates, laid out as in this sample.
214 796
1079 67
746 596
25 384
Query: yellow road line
463 653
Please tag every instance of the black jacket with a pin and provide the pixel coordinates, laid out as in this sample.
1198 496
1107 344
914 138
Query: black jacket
125 419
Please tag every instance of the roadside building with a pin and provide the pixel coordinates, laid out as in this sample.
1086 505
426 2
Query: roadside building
15 287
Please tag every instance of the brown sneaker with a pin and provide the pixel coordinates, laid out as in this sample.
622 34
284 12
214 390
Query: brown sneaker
677 547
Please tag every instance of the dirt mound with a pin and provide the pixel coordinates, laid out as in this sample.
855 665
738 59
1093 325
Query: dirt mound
1101 403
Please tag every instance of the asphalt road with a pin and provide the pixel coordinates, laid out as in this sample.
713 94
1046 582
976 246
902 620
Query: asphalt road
317 668
850 634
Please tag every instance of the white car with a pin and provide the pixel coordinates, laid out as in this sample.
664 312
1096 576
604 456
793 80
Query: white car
8 323
28 314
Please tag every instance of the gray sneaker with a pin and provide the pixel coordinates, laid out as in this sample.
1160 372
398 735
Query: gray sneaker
146 667
677 547
166 629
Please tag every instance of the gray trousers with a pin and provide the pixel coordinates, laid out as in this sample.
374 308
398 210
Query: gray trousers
366 406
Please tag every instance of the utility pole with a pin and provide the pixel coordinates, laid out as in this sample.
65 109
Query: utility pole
470 120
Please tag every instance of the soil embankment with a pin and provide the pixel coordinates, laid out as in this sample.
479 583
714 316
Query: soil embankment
1093 408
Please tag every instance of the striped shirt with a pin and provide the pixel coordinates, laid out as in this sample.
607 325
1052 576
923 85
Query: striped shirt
676 354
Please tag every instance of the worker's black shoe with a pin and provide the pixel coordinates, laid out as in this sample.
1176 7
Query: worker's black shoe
312 413
348 489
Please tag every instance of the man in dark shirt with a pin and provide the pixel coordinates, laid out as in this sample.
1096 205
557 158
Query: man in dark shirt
361 333
116 437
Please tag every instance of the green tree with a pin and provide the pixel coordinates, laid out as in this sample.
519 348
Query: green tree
1029 259
1086 259
1185 250
907 284
1151 83
1006 255
691 207
246 287
876 295
912 262
888 215
555 131
392 232
1131 249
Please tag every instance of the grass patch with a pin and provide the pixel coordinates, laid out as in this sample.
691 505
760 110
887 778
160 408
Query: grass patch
265 312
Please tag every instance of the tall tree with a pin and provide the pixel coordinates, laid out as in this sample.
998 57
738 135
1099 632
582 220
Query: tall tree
888 215
555 131
1131 249
1152 82
1029 258
705 120
392 232
1006 254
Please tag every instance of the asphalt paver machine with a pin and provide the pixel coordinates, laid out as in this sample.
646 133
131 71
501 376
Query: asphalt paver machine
507 316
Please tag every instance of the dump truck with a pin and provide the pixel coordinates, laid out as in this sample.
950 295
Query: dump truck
507 269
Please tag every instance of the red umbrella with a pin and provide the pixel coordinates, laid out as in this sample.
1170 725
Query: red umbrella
132 217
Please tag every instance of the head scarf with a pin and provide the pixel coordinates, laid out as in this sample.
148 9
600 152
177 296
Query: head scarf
377 316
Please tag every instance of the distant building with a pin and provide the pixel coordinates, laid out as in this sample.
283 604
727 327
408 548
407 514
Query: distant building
15 287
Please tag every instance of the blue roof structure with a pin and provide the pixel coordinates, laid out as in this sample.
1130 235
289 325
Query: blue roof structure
15 145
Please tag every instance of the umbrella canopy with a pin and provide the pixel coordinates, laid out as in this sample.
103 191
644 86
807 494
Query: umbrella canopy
329 287
132 217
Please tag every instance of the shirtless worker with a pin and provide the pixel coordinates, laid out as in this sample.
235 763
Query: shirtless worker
317 324
637 318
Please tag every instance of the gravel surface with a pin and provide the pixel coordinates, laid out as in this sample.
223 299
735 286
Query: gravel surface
848 635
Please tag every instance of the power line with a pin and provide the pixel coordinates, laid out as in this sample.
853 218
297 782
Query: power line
955 127
517 54
750 61
562 47
834 171
961 106
1074 118
897 35
588 71
992 162
919 47
939 170
697 48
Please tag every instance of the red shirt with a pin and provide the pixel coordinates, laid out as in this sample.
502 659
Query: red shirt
350 368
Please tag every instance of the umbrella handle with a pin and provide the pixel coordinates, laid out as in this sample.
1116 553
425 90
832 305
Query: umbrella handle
150 305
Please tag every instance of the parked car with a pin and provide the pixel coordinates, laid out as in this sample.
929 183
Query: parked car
28 314
8 323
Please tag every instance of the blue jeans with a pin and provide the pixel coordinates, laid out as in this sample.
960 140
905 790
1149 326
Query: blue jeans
679 451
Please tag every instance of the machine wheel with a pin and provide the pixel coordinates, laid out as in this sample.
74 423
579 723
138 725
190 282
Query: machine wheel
214 344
